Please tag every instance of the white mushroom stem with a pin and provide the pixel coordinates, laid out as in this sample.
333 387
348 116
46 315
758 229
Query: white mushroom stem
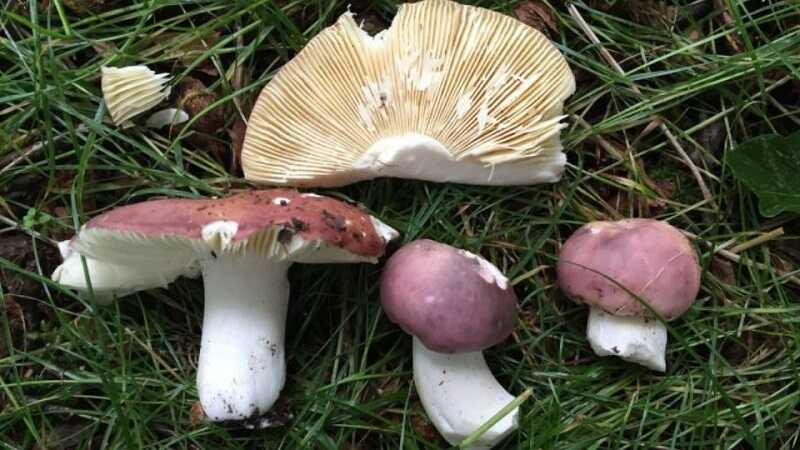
241 369
459 393
632 339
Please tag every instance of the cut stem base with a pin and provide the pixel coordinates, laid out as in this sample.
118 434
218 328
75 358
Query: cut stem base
631 338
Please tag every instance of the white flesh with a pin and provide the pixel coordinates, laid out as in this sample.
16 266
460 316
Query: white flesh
420 157
110 279
241 369
459 393
632 339
169 116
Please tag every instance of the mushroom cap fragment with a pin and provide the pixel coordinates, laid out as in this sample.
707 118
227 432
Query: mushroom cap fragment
130 91
449 92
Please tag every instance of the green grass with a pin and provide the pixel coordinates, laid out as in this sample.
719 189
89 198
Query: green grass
123 376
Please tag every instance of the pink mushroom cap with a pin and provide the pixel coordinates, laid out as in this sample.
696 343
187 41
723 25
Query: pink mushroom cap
650 258
450 299
310 216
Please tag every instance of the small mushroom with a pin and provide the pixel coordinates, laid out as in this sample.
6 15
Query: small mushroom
449 93
243 245
606 265
455 304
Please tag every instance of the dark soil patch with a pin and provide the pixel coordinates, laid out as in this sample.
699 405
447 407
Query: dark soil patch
24 297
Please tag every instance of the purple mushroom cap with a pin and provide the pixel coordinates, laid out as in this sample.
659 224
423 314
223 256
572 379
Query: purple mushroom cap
450 299
650 258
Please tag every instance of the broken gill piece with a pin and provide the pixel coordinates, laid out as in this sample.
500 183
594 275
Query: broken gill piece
606 265
243 245
130 91
455 304
449 93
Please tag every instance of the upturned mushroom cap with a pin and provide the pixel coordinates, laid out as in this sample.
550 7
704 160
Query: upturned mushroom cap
449 92
650 258
279 222
450 299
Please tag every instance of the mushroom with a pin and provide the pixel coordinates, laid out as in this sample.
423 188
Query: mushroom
243 245
449 93
633 274
455 304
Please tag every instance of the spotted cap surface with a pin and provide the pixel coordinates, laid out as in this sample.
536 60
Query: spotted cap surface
241 217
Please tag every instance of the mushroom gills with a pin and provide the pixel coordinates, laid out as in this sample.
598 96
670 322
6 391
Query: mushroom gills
241 368
631 338
459 393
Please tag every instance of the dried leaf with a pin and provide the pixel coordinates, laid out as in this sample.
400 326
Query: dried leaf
734 39
712 137
196 415
23 6
723 269
17 248
666 188
236 133
656 13
89 7
537 15
187 52
423 427
194 98
105 49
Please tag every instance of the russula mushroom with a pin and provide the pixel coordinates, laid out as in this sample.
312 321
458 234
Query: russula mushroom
607 265
449 93
455 304
132 90
243 246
